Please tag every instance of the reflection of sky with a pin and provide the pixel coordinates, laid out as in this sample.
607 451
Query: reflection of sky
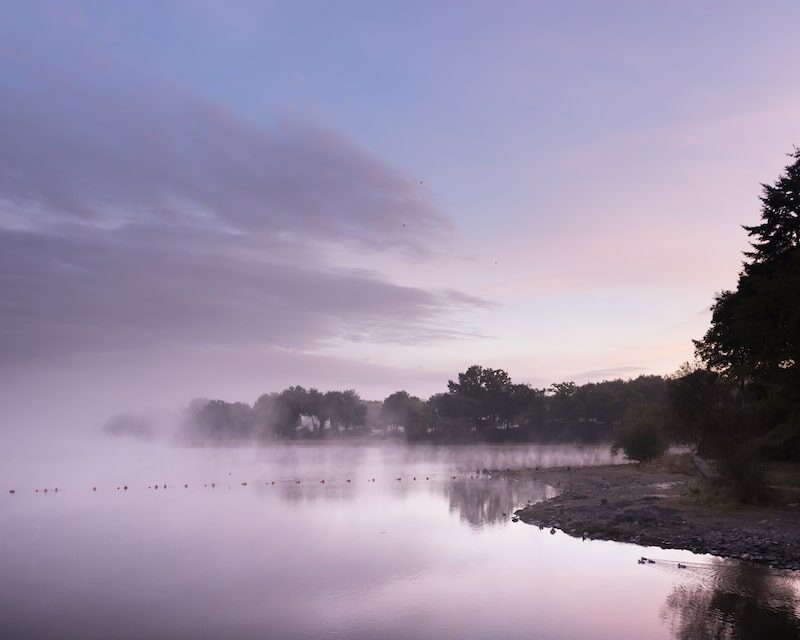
350 560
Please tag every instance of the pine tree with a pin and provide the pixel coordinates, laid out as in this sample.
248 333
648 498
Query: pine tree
754 338
779 231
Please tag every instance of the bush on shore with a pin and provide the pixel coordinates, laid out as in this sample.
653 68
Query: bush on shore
642 436
745 475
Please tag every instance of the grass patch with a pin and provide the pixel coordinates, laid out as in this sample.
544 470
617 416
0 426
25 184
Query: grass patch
680 463
709 496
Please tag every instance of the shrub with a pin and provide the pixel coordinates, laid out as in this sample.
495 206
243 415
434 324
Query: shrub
641 436
745 474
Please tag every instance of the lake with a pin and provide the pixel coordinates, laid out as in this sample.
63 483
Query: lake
371 553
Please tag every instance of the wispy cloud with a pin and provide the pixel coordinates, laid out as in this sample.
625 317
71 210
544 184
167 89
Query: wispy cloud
129 222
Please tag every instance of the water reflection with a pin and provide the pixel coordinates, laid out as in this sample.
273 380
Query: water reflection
732 601
435 557
490 501
479 500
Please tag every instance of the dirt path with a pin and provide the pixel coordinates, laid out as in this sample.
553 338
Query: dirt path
651 507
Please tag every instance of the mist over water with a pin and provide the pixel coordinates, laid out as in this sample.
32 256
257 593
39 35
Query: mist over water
395 558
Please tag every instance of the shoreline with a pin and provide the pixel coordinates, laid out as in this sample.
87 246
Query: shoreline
650 506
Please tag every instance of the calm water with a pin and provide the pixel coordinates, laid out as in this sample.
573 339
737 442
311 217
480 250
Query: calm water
424 558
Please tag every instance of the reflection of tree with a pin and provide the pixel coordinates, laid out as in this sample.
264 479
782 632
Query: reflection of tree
310 492
739 602
484 501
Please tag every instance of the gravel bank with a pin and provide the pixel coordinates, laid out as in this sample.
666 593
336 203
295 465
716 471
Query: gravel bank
629 504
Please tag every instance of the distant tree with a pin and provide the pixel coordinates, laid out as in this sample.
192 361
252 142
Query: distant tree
289 405
316 409
400 408
481 395
264 417
642 436
219 420
562 404
345 410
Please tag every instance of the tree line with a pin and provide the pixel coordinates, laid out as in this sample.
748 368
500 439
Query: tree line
739 400
481 405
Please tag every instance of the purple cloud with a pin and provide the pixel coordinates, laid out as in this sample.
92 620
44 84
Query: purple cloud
127 222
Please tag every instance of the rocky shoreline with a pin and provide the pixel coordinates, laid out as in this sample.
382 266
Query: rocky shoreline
651 507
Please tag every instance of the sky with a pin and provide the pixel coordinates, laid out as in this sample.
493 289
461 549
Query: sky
216 199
